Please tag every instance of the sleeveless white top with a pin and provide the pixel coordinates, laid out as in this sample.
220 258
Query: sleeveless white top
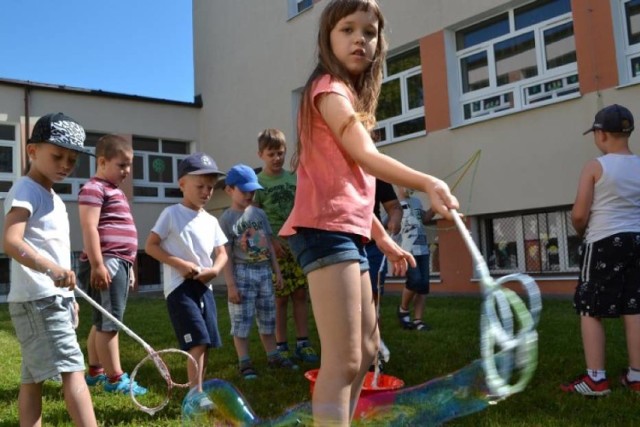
616 197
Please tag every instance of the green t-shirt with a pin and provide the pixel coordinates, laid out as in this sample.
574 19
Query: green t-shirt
277 197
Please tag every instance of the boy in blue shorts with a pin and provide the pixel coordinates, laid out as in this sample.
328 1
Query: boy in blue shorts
248 274
190 244
41 303
106 268
276 198
607 213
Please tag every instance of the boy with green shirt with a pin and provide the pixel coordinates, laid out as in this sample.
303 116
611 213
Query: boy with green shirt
277 201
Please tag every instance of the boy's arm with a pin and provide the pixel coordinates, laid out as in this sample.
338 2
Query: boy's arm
89 219
584 197
220 259
187 269
427 216
394 253
394 211
232 290
15 224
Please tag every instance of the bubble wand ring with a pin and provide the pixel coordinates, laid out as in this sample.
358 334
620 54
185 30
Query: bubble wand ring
152 354
497 327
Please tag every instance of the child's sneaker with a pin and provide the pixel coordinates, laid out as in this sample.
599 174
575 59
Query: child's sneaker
405 319
123 385
204 403
631 385
280 362
95 379
247 371
306 353
585 386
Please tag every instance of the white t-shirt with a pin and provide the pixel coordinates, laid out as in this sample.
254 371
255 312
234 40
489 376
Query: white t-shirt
47 232
189 235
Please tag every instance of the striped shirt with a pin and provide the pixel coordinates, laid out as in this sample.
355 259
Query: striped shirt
118 234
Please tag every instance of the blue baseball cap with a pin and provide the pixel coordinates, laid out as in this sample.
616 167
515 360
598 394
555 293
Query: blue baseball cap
198 164
613 118
243 177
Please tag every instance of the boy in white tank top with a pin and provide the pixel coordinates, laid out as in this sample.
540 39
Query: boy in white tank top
606 213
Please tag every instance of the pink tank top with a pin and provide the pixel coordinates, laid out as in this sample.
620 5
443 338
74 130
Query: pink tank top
333 192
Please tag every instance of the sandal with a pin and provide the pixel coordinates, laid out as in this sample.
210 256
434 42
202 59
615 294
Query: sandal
419 325
248 373
405 319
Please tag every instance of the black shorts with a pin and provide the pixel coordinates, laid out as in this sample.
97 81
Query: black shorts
609 283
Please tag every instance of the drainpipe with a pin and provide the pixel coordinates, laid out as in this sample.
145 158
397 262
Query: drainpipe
23 145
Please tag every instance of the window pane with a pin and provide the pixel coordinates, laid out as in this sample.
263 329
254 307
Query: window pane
173 192
503 244
5 186
82 168
403 61
62 188
573 243
138 167
475 72
148 270
6 159
5 274
540 11
92 139
408 127
304 4
175 147
145 191
632 12
160 169
482 32
380 134
532 243
390 101
145 144
8 132
414 88
516 59
560 46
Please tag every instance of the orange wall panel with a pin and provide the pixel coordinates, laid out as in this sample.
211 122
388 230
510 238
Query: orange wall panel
434 82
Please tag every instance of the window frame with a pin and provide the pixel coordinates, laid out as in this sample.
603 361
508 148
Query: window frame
554 84
10 177
293 7
628 55
407 113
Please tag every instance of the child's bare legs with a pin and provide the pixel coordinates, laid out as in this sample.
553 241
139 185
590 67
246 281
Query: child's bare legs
92 352
632 331
107 346
199 352
78 399
300 312
593 341
242 346
406 299
345 319
268 342
418 306
30 405
282 306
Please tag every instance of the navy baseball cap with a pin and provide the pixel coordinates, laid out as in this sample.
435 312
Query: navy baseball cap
614 118
243 177
198 164
61 130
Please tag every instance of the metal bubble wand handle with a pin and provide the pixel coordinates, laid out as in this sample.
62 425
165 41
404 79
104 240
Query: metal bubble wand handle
152 354
515 350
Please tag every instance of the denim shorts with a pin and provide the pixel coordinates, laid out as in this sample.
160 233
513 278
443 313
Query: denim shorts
194 316
314 248
418 276
48 342
114 298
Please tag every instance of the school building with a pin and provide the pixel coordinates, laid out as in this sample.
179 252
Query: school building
491 95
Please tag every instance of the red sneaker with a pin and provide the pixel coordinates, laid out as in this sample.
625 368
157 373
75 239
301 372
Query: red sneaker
585 386
631 385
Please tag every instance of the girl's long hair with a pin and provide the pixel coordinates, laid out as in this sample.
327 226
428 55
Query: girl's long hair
366 88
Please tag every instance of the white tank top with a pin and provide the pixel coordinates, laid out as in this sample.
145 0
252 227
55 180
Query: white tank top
616 197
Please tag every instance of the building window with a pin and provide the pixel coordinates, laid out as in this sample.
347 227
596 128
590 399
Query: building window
295 7
400 113
149 275
5 276
536 243
85 168
9 166
519 59
155 168
627 23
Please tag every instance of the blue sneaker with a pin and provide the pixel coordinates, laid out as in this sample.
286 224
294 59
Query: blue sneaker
95 379
123 385
306 353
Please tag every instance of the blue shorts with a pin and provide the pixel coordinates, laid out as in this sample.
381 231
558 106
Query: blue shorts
114 298
314 248
609 283
375 258
258 300
418 276
193 314
48 342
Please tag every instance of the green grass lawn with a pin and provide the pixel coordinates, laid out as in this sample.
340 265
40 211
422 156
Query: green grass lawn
415 357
